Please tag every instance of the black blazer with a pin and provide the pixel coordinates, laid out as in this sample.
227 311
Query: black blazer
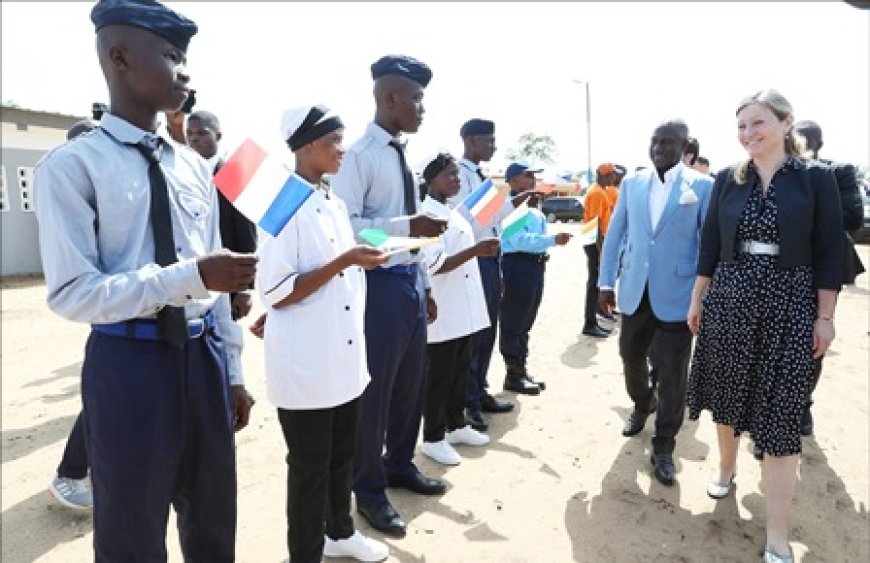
850 194
237 232
809 219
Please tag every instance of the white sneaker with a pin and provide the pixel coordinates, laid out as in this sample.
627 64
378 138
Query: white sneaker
467 435
442 452
73 493
357 546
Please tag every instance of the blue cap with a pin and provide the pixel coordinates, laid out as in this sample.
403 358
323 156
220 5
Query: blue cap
148 15
477 127
402 66
517 168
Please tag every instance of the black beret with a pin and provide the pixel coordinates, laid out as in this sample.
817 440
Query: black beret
403 66
477 127
145 14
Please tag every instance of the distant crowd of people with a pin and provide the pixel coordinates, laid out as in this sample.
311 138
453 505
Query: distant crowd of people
363 346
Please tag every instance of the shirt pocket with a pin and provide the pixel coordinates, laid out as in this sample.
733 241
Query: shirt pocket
194 209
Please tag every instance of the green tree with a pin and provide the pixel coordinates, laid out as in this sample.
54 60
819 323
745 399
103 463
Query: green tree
538 149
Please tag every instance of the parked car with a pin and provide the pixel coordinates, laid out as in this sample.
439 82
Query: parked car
562 209
862 235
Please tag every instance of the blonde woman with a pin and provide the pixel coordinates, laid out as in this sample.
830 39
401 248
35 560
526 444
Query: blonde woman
763 303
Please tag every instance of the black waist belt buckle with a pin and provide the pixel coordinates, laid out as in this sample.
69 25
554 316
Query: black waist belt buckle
530 257
146 329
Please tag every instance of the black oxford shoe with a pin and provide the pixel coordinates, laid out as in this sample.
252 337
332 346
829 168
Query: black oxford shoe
596 332
521 385
635 423
417 483
384 518
491 404
665 471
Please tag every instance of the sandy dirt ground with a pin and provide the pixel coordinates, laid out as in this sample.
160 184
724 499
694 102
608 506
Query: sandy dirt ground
558 483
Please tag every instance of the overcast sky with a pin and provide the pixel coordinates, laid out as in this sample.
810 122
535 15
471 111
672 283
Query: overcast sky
514 63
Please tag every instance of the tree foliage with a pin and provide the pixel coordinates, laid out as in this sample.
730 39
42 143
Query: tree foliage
537 149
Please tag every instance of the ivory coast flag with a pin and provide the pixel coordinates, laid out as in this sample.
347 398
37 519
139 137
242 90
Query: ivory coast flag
513 223
589 232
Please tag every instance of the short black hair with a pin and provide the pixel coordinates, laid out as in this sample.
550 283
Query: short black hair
206 117
703 160
693 147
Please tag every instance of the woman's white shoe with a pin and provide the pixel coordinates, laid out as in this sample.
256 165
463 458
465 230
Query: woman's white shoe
716 490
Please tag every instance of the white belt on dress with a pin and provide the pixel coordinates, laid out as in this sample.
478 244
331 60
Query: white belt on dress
755 247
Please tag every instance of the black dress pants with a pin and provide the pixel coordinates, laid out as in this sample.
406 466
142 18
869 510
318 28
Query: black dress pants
446 387
321 445
646 342
592 259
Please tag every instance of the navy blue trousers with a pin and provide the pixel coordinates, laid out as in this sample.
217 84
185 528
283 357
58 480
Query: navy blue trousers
482 342
523 290
392 404
74 463
158 432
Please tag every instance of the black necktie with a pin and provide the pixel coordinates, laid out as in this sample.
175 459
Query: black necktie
480 175
171 323
410 206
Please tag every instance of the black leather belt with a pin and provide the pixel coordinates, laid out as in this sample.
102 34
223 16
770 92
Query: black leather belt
528 256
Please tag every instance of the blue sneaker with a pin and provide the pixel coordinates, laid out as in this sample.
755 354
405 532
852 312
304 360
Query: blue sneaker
73 493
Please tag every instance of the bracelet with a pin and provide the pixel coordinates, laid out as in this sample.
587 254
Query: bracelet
825 318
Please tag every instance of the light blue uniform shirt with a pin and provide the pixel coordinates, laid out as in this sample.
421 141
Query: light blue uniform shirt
92 197
371 184
533 237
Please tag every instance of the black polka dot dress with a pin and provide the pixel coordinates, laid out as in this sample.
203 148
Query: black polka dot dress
753 357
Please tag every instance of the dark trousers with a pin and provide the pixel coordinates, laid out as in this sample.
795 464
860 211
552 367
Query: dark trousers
392 405
158 429
483 341
523 290
320 446
446 387
74 463
644 342
592 259
817 374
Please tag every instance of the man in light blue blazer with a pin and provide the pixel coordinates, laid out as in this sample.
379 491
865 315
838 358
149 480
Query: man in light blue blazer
659 216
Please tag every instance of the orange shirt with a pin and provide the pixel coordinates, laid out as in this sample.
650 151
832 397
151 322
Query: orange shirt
612 196
598 205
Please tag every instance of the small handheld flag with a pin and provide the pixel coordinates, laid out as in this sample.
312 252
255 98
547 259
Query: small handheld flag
391 245
261 188
589 232
484 202
514 223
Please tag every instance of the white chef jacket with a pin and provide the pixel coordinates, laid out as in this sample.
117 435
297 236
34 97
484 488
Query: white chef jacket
315 349
459 294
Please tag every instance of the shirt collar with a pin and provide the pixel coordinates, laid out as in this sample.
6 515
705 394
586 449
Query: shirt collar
439 209
213 161
670 175
125 132
381 135
468 164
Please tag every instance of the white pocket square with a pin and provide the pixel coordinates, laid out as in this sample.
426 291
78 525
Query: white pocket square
688 197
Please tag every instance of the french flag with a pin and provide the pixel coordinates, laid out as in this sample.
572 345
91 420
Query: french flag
484 202
261 188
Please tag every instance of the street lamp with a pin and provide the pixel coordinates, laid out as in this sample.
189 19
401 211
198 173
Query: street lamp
588 131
